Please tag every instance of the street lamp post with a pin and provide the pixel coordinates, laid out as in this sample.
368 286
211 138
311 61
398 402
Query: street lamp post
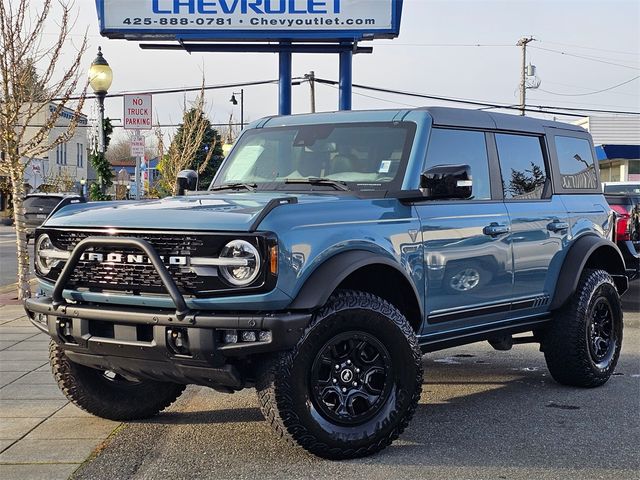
235 102
100 79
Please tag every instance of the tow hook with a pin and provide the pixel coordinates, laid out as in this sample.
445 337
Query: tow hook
178 341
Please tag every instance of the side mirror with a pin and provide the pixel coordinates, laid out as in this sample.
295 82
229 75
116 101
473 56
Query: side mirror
447 181
187 181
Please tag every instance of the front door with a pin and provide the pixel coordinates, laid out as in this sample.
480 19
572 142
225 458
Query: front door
468 262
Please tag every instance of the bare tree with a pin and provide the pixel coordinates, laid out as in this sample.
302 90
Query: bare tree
120 148
184 145
57 181
33 101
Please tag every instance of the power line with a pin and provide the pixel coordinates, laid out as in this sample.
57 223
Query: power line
584 57
335 87
183 90
590 93
582 103
589 48
443 45
552 110
582 87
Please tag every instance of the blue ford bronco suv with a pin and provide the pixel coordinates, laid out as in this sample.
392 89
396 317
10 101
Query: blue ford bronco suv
330 252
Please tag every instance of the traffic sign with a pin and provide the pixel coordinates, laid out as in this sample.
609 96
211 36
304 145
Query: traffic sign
137 147
138 112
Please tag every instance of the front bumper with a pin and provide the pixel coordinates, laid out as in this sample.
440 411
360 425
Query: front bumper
179 345
139 342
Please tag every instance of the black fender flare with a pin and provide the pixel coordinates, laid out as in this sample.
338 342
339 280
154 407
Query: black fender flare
329 275
577 257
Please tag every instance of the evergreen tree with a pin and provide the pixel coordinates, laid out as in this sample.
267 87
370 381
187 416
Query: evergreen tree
210 139
526 182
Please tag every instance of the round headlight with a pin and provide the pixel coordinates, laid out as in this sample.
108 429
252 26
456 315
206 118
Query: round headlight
43 260
243 263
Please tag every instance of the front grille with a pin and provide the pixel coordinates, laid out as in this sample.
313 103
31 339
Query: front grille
142 277
135 277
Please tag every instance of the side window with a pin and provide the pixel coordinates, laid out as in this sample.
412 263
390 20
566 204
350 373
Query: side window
524 174
577 169
462 147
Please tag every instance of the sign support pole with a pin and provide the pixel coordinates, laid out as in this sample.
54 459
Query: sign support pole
285 78
346 79
138 178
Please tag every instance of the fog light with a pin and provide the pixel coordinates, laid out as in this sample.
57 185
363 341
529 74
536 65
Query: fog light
230 336
249 336
41 318
265 336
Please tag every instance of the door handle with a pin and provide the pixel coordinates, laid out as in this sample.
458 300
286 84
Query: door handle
494 229
557 226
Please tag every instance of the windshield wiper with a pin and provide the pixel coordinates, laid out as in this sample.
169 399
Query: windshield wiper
235 186
337 184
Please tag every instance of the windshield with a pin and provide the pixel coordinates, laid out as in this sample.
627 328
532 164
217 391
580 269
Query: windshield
360 156
622 189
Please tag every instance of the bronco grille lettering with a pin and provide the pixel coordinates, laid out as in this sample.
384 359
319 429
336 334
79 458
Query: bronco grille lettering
130 259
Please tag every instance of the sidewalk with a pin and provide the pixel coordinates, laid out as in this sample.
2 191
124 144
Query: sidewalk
42 435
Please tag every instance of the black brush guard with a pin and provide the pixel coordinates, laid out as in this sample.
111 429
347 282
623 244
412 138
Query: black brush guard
125 353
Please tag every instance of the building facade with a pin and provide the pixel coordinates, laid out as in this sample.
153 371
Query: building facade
66 162
617 142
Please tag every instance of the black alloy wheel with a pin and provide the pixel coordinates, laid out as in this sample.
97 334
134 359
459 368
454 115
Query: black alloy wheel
350 378
601 333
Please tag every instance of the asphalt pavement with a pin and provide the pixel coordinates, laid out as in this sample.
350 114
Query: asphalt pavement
483 415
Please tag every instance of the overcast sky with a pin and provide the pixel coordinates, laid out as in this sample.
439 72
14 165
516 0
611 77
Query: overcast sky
428 57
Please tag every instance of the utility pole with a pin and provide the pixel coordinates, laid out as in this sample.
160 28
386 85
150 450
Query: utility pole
311 77
523 72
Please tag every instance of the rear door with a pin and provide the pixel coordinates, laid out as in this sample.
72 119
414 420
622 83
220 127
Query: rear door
538 219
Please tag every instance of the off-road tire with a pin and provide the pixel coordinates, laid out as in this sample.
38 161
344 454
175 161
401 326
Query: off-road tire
567 341
285 391
121 400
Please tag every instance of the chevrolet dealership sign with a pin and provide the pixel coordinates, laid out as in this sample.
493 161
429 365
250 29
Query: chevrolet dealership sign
328 20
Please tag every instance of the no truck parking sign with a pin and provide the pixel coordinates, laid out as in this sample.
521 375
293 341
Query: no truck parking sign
138 112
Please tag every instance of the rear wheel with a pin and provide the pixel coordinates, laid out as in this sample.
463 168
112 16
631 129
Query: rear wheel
351 384
583 343
107 394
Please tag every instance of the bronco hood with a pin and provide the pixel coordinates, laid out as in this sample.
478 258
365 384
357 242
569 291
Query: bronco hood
221 211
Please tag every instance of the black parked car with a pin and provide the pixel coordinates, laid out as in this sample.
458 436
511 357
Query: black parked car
38 206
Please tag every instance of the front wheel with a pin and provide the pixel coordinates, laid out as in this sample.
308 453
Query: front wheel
583 343
352 383
107 394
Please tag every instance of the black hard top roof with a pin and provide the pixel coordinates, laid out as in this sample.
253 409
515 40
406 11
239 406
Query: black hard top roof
460 117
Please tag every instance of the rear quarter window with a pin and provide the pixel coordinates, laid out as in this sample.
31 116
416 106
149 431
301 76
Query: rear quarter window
576 163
